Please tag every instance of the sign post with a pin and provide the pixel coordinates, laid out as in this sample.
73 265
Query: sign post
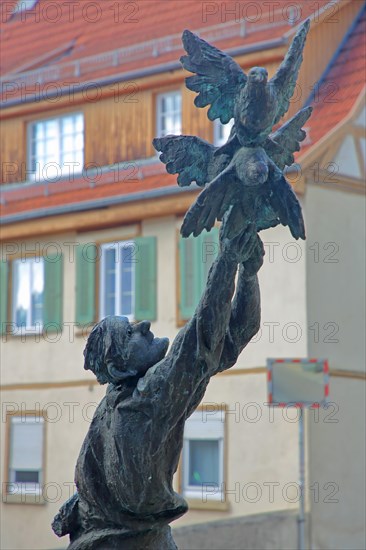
301 383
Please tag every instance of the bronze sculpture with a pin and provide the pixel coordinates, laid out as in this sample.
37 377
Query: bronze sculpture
125 469
246 173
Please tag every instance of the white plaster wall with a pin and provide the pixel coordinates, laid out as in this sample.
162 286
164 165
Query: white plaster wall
336 293
337 469
28 526
261 447
260 453
336 283
260 444
55 357
284 329
283 300
52 357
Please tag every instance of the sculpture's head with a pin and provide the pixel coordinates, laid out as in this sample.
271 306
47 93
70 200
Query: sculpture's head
117 350
259 75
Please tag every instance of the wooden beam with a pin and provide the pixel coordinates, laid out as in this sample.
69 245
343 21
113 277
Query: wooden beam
336 373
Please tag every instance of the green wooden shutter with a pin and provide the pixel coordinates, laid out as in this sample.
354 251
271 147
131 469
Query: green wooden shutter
188 276
196 255
145 279
85 284
3 296
52 313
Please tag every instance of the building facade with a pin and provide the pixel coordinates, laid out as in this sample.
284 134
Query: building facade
90 227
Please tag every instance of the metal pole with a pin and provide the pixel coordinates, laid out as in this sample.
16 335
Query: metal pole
301 518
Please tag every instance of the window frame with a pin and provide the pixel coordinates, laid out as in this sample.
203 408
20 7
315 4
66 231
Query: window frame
193 494
101 278
158 104
28 328
36 176
25 495
195 491
52 318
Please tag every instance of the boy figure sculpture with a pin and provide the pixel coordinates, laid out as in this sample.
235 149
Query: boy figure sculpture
125 469
124 473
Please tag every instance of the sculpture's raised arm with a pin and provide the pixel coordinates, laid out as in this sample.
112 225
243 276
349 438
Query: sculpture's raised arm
245 310
212 340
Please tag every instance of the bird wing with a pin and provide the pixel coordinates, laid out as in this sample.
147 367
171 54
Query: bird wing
189 156
286 206
284 81
282 144
217 80
211 204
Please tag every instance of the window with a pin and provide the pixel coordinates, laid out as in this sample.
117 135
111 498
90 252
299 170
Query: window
126 280
169 114
28 298
26 452
56 147
36 285
196 255
222 132
117 274
203 455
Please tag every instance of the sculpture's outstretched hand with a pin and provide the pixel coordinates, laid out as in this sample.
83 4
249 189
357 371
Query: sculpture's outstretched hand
255 260
218 77
246 247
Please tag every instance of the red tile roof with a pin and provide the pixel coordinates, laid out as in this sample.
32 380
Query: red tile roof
347 71
53 41
20 198
340 87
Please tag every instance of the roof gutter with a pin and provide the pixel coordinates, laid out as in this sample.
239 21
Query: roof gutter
97 203
141 73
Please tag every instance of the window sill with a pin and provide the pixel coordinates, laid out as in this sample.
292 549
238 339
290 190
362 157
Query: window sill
210 504
23 498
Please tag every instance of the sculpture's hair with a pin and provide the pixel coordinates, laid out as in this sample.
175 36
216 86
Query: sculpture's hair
94 354
105 341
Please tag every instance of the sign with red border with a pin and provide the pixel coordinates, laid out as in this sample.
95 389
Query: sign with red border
298 382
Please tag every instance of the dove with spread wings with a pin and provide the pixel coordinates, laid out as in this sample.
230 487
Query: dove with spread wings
245 175
249 180
255 103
